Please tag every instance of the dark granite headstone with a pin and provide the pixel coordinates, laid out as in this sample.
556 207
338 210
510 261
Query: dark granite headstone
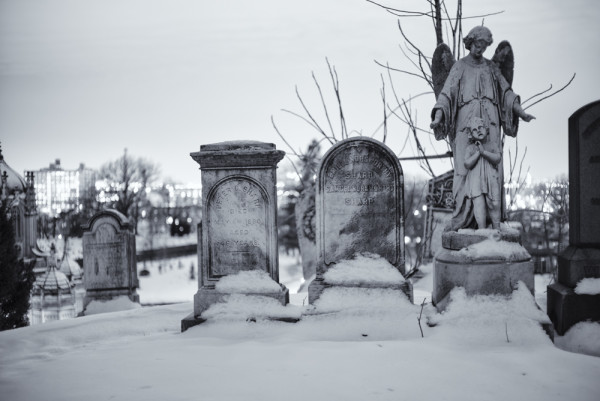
109 258
359 206
239 209
582 258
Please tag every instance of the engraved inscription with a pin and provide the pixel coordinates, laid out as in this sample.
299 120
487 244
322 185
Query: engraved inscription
106 260
591 271
237 228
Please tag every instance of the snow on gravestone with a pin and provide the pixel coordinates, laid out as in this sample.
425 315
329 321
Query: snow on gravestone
359 206
239 205
109 260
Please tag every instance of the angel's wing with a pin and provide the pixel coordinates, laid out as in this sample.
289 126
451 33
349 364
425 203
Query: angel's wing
505 60
442 62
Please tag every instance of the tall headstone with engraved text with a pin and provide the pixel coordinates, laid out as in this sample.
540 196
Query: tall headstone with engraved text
109 260
575 297
239 212
359 207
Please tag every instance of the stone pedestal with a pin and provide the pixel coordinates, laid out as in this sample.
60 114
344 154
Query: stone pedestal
582 258
565 307
359 207
239 212
480 273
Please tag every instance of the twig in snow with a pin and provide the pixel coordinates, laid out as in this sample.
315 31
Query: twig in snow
420 315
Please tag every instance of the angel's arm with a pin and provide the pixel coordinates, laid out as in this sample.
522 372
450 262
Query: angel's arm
521 113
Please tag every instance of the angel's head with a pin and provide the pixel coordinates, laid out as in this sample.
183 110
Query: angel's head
477 40
477 129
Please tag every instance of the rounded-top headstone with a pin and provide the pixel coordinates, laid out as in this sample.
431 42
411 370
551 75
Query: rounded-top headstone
360 202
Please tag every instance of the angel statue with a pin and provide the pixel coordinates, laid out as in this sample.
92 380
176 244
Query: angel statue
475 87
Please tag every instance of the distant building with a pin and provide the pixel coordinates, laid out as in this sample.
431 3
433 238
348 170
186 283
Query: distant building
59 190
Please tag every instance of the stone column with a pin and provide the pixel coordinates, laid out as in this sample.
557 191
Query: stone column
239 218
581 259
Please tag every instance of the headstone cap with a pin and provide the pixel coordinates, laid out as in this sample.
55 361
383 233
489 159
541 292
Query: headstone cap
239 146
238 154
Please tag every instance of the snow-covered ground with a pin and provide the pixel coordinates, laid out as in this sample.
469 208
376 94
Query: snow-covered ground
347 348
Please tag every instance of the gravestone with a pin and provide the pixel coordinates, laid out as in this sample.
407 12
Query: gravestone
581 259
109 258
239 209
440 204
359 207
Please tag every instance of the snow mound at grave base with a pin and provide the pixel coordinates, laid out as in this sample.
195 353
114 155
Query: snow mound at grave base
588 286
250 281
491 249
239 307
583 338
366 268
354 300
491 319
120 303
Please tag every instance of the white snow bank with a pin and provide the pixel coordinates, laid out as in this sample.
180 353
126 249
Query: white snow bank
366 268
120 303
243 307
588 286
492 319
510 251
250 281
583 338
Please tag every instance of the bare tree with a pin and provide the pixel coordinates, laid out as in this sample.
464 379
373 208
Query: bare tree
127 178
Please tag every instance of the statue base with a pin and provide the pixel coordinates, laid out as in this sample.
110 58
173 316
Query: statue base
495 267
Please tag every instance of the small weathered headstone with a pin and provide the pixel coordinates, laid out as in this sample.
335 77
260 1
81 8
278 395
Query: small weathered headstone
440 205
239 229
359 207
581 260
109 258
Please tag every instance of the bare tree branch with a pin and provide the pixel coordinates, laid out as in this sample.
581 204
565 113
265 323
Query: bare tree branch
536 95
283 138
552 94
324 106
336 88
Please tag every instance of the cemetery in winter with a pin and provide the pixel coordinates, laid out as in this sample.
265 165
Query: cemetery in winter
350 315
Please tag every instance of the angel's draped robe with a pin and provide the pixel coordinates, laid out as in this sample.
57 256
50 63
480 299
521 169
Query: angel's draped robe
474 90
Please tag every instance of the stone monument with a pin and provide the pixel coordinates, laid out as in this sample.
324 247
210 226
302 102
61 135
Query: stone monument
109 259
475 102
581 260
359 208
239 228
440 204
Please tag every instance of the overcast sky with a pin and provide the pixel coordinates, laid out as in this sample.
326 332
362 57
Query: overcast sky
82 80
